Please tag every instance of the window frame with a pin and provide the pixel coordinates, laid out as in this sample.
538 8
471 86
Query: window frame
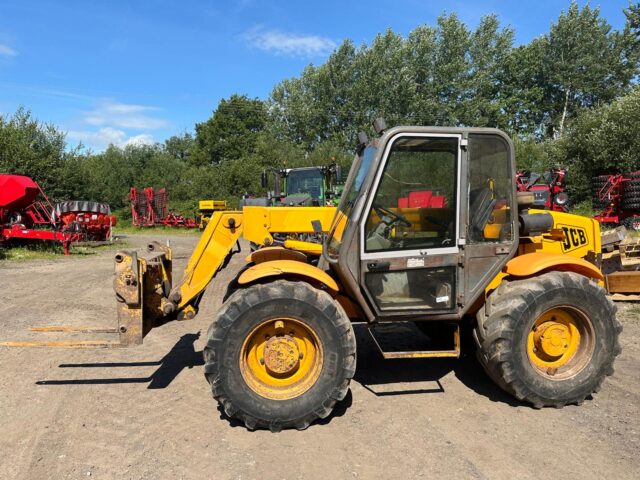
393 253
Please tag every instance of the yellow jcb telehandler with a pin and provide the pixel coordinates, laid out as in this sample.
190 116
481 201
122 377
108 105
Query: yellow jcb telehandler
429 230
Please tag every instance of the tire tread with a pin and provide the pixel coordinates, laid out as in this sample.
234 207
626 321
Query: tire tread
496 321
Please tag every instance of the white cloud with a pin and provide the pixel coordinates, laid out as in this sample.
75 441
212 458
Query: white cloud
6 51
113 123
142 139
288 43
123 115
106 136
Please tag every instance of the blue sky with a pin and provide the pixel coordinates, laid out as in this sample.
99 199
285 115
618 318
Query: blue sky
114 71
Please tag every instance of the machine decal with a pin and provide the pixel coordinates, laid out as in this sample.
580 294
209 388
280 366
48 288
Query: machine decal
574 237
415 262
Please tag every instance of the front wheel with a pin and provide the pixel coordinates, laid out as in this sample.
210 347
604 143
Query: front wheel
280 355
548 340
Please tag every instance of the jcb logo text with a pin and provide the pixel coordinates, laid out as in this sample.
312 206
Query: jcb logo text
574 237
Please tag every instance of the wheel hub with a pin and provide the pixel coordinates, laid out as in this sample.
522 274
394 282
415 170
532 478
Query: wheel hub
281 358
560 342
281 355
552 338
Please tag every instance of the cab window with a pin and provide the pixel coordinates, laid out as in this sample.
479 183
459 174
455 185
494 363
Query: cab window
414 206
490 190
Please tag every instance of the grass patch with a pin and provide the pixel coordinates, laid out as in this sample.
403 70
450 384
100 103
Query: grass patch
24 253
161 230
52 251
584 208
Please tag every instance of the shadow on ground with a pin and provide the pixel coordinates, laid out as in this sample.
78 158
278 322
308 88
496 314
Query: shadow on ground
379 376
422 375
182 355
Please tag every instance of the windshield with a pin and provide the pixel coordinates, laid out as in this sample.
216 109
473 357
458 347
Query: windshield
305 182
349 196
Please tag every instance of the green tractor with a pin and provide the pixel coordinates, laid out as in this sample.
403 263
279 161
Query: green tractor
300 187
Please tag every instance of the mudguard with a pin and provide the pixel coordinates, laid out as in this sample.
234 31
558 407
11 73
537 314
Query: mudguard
533 263
276 268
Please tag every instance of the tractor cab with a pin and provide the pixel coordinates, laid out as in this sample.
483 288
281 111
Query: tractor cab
425 221
304 186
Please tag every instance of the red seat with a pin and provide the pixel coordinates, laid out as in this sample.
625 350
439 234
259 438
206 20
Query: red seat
437 201
420 198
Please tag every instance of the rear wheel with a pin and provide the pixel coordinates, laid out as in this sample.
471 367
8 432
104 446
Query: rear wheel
280 355
548 340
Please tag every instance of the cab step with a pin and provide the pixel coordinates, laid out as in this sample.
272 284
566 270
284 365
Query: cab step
405 340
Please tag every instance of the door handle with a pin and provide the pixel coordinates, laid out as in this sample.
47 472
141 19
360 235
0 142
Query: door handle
377 266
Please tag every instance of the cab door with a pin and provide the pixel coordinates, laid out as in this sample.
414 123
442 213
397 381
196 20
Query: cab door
409 230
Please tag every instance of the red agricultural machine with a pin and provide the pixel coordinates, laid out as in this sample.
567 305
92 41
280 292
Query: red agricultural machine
92 220
548 188
617 197
149 209
27 214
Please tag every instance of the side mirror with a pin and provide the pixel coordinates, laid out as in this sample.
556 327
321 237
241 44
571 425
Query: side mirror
379 125
263 179
338 174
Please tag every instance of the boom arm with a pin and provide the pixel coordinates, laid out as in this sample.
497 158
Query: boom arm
143 285
215 246
258 224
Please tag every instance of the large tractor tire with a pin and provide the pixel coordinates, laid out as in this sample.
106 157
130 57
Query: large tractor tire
548 340
597 184
280 355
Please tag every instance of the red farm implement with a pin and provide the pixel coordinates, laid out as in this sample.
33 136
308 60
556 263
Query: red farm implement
92 220
547 189
27 214
617 197
149 209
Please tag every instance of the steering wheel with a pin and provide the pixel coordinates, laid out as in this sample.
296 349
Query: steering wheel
395 217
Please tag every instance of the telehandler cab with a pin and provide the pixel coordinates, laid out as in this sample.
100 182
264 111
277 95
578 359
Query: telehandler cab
281 350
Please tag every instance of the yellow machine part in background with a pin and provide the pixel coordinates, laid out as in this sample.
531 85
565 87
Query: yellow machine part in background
207 207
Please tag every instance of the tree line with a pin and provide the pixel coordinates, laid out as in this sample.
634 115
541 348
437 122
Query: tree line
569 97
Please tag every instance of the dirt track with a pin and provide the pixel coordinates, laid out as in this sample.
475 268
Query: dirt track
146 412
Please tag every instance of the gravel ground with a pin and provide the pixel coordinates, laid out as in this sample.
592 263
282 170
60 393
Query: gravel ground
147 413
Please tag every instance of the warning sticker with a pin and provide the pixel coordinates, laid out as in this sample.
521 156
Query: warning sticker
415 262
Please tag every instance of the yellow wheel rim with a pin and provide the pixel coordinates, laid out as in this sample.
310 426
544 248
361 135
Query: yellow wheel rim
281 358
560 343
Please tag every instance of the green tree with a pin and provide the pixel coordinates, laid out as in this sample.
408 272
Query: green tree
601 141
633 19
29 147
585 63
522 89
231 132
489 49
180 147
443 75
